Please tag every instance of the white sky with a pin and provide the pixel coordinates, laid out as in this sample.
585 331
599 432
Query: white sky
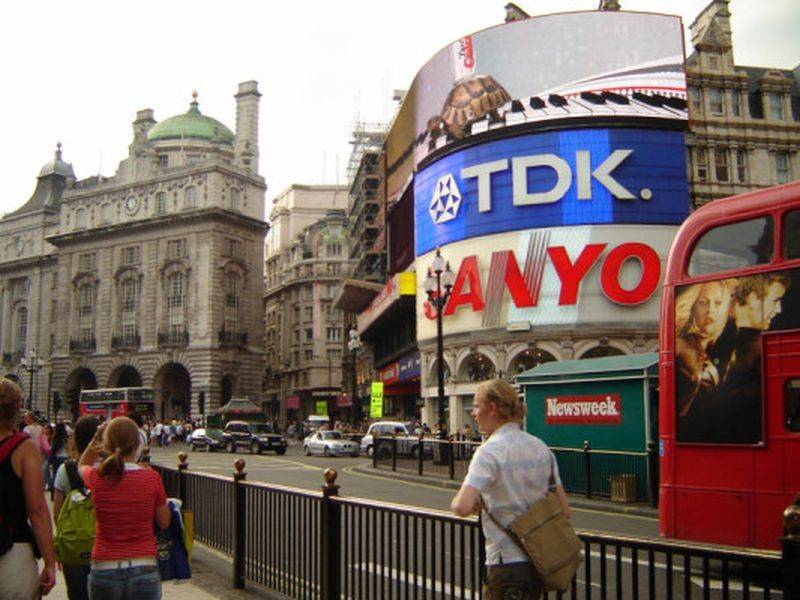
77 72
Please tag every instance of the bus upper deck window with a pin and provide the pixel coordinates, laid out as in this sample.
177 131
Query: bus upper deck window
791 234
733 246
791 405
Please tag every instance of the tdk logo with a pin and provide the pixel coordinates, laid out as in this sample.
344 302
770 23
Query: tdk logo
446 198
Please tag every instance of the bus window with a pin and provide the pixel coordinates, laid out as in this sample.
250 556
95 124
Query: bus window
791 234
734 246
791 405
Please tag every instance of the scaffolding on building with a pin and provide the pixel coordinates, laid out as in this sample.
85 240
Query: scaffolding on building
367 137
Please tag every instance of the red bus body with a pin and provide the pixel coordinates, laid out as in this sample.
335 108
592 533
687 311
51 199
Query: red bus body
116 402
723 493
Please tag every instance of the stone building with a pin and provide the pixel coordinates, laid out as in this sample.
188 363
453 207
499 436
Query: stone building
151 277
307 257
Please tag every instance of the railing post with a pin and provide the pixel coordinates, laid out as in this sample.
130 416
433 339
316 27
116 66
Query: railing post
421 453
183 465
331 527
790 547
394 452
652 473
239 524
375 440
587 469
451 452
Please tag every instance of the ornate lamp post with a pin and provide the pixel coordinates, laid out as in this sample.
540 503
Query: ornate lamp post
31 364
439 276
353 344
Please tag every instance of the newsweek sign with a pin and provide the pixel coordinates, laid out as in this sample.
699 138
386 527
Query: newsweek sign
607 276
583 410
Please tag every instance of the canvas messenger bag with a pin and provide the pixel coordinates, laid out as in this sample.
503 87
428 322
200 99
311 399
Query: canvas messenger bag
546 536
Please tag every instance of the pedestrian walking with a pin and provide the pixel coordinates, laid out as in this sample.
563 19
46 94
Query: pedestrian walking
128 498
58 454
25 529
508 474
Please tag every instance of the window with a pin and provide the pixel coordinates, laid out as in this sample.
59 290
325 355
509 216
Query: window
334 268
163 160
791 405
161 203
176 248
129 302
80 218
308 313
193 159
296 336
176 302
233 248
775 105
308 292
231 302
309 354
696 99
782 166
736 103
87 262
190 197
791 234
713 62
85 313
105 213
715 101
702 163
130 255
741 166
22 329
334 249
20 288
733 246
721 164
334 334
234 198
330 290
309 334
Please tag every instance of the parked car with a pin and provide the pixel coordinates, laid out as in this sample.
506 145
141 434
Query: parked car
206 439
329 443
257 437
407 443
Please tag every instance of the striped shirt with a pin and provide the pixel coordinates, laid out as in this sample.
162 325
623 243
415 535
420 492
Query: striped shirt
125 509
511 470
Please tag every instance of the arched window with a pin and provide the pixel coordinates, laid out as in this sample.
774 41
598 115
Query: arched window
86 313
105 213
80 218
231 324
190 197
22 329
602 351
129 304
478 367
176 303
234 198
528 359
435 372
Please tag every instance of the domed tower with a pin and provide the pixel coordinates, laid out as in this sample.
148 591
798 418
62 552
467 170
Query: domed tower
53 179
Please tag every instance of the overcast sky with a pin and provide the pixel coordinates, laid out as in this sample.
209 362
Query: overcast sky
77 72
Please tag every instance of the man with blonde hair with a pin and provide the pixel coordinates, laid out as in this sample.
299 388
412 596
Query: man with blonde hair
508 474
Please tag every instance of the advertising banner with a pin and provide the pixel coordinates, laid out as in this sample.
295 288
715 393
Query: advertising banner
582 410
376 400
718 354
599 275
344 400
322 407
409 366
292 402
540 72
570 177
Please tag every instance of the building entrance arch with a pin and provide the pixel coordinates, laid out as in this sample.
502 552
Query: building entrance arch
80 379
173 391
226 389
125 376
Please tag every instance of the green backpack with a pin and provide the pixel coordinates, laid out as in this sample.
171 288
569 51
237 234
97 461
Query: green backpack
75 526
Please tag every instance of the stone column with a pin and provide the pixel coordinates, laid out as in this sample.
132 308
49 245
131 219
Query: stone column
246 143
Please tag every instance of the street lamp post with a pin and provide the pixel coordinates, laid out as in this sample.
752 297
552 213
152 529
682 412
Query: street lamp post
439 275
353 344
31 364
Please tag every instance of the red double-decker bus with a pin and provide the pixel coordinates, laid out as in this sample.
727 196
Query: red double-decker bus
115 402
730 371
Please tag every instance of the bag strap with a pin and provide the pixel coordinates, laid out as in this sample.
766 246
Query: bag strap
10 444
73 475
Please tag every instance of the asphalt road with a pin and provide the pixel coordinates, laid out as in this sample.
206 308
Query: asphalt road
305 472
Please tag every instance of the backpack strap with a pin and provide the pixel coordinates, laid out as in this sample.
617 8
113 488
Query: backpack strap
73 475
8 445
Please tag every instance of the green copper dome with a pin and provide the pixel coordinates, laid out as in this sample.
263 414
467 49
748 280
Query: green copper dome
191 125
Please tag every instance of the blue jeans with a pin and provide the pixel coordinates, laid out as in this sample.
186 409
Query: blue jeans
76 578
135 583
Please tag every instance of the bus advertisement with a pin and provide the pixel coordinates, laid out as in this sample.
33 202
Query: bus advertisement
115 402
730 371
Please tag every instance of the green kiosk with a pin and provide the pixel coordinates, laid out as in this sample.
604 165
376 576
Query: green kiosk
599 416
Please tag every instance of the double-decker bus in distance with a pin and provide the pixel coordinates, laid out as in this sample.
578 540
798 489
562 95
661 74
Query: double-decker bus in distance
730 371
113 402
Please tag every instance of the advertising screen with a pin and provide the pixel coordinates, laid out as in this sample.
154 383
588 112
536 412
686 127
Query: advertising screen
718 327
598 275
568 177
537 72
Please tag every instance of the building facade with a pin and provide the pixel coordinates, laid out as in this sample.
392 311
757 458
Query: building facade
151 277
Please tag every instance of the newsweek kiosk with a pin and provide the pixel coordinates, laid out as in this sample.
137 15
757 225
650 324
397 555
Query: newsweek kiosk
610 402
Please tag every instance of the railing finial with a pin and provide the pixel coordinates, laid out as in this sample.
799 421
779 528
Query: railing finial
330 488
183 462
239 474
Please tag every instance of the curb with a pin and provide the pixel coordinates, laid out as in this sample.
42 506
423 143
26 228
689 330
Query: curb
575 500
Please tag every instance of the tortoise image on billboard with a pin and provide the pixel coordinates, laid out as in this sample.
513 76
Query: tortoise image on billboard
471 99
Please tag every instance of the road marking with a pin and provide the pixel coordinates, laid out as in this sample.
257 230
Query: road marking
349 471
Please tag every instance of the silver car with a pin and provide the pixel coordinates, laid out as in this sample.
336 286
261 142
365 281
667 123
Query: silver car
329 443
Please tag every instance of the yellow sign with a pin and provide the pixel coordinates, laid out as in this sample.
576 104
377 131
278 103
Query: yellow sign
376 400
322 407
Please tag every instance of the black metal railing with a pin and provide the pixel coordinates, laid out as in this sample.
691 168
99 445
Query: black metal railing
236 339
82 345
173 338
318 545
622 476
121 342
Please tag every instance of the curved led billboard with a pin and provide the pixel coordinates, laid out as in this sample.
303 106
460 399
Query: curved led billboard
539 72
567 177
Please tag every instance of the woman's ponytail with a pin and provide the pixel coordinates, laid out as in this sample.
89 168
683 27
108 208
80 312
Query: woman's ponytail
113 465
120 440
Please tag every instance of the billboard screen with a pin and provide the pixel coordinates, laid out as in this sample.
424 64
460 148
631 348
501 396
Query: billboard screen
537 72
568 177
718 327
591 275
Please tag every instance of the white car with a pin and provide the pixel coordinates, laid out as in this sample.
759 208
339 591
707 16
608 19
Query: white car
407 444
329 443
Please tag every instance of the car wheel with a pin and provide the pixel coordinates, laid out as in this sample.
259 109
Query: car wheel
232 447
307 450
370 451
280 451
326 451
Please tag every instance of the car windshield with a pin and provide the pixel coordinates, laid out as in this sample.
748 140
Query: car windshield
332 435
213 433
262 428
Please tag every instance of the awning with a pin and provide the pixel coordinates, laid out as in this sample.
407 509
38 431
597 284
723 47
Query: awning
239 406
356 294
399 291
645 365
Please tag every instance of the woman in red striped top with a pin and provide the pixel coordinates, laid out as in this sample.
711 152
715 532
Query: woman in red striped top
127 499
